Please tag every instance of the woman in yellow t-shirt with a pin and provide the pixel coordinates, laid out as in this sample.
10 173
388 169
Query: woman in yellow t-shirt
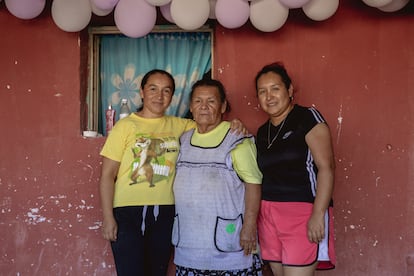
138 170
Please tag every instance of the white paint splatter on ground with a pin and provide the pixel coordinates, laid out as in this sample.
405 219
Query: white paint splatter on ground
33 217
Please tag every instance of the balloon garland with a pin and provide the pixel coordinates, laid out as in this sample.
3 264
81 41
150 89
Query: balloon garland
136 18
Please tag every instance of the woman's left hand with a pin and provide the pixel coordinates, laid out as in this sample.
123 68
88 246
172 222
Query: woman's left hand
316 228
237 126
248 239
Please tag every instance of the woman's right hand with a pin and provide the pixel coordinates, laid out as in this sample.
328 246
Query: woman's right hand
107 188
109 229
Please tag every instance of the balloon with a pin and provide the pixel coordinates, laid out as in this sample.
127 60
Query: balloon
268 15
212 14
135 18
376 3
395 5
190 14
158 2
99 11
293 4
71 16
232 14
25 9
104 5
319 10
166 12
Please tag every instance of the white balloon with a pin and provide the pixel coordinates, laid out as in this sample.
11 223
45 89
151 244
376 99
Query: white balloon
268 15
190 14
395 5
71 16
294 4
319 10
376 3
158 2
99 11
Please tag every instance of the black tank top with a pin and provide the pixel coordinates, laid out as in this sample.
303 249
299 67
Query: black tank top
289 171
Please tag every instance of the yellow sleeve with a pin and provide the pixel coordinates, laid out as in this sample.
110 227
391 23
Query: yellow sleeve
190 124
115 143
245 162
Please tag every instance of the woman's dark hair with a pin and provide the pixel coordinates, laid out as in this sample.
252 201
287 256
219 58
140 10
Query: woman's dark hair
212 83
277 68
157 71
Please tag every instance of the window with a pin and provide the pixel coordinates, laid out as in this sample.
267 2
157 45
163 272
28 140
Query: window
117 64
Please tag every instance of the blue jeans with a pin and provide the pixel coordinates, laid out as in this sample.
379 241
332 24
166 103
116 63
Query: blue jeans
143 246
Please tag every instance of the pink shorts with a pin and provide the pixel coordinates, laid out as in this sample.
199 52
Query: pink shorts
282 231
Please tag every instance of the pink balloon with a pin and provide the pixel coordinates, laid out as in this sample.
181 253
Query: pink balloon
294 4
232 14
135 18
99 12
104 5
212 14
25 9
166 12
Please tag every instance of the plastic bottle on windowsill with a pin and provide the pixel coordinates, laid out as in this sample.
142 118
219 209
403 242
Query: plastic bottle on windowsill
110 119
125 111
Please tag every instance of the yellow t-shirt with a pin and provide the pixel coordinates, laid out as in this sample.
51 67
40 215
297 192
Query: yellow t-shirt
147 150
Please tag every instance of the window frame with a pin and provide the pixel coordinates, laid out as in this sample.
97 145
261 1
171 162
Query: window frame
93 93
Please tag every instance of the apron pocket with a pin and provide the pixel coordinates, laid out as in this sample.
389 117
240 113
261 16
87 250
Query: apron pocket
227 234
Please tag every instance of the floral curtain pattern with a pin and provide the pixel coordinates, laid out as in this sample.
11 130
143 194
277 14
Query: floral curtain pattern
124 61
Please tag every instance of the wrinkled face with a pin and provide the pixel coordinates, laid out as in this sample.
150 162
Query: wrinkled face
273 95
207 107
157 95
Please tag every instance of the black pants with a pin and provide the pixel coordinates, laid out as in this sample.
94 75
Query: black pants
143 249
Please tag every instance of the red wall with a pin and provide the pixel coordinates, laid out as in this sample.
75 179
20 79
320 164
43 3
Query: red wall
357 68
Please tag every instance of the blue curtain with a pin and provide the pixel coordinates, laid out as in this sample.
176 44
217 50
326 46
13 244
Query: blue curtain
124 61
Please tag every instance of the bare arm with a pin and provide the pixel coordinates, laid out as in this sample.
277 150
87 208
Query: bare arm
248 234
320 145
107 187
